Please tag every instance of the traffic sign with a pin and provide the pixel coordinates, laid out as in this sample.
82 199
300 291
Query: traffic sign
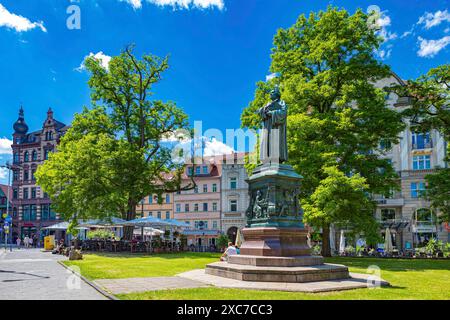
8 218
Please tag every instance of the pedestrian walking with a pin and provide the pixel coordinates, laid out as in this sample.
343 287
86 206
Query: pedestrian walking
30 241
18 242
26 241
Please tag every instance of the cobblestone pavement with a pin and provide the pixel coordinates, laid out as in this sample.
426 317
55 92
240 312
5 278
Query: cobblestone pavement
29 274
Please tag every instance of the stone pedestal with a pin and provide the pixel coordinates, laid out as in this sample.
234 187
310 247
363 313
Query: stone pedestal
273 241
275 245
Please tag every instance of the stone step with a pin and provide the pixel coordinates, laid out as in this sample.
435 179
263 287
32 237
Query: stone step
270 261
321 272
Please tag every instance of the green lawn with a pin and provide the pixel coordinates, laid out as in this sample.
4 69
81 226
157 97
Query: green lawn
114 266
410 279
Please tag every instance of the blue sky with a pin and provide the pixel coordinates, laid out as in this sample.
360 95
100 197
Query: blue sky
218 50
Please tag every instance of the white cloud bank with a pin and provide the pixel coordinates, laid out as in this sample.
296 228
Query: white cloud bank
18 23
429 48
105 59
180 4
3 173
5 146
430 20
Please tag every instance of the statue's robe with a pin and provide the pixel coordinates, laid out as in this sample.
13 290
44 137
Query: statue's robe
273 146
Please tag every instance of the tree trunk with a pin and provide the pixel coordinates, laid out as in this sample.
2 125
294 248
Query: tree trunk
130 215
326 250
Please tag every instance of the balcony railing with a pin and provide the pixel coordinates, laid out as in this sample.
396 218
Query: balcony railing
394 223
424 145
423 226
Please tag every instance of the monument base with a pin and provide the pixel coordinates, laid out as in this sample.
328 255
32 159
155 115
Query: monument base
271 254
273 241
321 272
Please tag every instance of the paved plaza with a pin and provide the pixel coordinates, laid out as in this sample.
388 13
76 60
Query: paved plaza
29 274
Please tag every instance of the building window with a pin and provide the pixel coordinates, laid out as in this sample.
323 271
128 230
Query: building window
417 189
46 152
201 225
15 175
150 214
158 214
214 206
190 171
26 175
26 213
233 205
15 194
25 193
421 162
197 170
150 199
233 183
385 145
45 212
26 157
178 207
214 225
425 215
421 140
33 193
205 169
196 207
205 188
167 198
16 158
387 214
167 215
196 189
214 187
205 206
34 155
33 171
186 207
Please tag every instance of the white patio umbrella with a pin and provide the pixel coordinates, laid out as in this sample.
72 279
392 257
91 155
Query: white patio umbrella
239 237
388 247
342 242
332 239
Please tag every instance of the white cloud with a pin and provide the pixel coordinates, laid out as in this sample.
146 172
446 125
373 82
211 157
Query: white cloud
180 4
5 146
3 173
18 23
385 54
271 76
429 48
434 19
105 59
200 146
405 34
215 148
383 22
136 4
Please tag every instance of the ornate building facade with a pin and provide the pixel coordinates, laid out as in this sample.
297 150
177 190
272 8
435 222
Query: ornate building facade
31 206
235 196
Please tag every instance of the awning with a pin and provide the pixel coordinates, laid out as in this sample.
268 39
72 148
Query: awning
62 226
201 232
101 223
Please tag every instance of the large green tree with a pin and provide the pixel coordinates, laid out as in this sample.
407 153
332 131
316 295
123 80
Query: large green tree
430 109
112 156
327 68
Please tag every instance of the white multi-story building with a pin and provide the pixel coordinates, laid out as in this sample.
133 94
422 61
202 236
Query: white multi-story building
409 216
235 198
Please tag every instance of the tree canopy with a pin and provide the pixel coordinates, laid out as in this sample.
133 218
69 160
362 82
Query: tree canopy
327 72
113 155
